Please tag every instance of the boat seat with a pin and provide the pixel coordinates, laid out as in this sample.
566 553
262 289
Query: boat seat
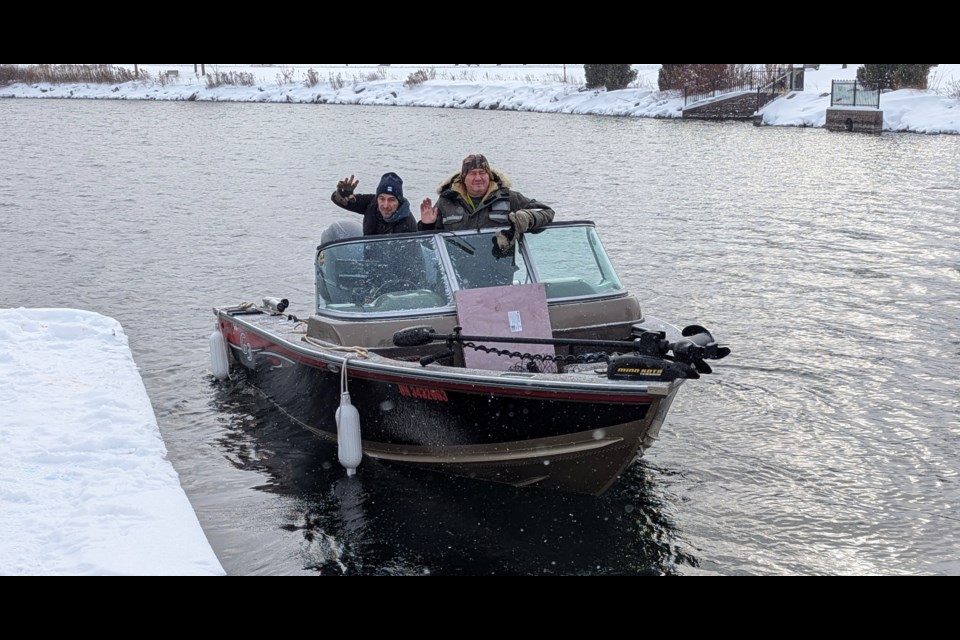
568 288
345 306
406 300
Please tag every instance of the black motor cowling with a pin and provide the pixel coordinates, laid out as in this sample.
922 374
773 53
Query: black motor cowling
696 345
635 367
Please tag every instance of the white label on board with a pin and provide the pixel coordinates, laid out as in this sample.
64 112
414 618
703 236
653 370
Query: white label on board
515 324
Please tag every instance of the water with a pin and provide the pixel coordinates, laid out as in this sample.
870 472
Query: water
827 443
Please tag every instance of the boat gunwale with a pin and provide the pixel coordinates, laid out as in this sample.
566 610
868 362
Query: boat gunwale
405 372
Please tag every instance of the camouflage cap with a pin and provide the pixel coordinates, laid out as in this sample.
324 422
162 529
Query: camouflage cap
474 161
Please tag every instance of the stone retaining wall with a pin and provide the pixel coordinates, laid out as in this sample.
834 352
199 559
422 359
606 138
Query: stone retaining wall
860 120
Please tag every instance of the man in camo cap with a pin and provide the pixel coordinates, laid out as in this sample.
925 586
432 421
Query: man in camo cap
479 196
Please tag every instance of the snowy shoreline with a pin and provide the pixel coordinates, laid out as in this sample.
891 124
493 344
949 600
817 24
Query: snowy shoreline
531 88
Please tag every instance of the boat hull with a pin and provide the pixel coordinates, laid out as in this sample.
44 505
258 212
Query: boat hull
574 436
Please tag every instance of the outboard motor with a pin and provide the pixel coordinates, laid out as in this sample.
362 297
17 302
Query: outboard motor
329 284
341 230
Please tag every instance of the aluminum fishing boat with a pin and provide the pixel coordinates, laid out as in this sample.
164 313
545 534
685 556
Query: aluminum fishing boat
534 368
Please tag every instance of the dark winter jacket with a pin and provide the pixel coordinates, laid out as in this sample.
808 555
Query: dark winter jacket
374 224
455 211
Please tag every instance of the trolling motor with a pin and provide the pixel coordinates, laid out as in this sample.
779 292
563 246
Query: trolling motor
652 359
649 358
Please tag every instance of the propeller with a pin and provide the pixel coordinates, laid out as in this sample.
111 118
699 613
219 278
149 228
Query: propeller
698 345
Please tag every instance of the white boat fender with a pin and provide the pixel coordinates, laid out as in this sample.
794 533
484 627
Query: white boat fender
219 356
349 443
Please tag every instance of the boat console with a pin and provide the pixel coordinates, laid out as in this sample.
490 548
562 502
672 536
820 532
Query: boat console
369 287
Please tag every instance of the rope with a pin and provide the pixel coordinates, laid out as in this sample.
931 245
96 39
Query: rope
360 352
245 306
343 378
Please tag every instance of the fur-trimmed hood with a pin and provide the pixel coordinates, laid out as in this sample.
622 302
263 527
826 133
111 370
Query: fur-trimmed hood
498 180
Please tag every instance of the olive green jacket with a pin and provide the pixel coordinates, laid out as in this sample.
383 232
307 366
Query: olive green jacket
456 212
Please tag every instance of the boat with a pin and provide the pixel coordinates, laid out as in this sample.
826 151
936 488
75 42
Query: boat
532 366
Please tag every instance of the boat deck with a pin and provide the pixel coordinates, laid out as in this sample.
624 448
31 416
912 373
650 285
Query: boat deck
291 336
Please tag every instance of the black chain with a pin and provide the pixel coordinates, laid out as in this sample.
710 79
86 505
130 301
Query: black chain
542 357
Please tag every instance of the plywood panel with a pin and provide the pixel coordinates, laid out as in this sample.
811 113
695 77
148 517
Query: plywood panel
511 311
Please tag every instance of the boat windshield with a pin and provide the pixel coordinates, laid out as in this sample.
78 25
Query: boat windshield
571 262
381 275
416 274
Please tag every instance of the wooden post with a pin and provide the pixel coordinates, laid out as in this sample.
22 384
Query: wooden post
136 72
203 70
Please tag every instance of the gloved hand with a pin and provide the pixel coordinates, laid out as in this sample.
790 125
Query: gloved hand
522 220
346 186
503 244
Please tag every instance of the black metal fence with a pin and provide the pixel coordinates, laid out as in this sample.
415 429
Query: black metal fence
749 80
783 81
853 93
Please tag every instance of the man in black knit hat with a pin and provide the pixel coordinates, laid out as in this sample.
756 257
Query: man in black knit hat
385 211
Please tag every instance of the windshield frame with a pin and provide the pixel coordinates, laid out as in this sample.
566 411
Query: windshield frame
560 290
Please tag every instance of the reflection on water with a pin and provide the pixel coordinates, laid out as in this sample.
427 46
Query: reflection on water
395 520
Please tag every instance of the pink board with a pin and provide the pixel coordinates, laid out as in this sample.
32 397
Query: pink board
513 311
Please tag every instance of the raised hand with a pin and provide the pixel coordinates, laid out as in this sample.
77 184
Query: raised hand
428 213
346 186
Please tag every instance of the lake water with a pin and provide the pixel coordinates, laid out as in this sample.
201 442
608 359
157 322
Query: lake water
827 443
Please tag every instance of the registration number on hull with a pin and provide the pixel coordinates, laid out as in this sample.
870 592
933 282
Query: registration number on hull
438 395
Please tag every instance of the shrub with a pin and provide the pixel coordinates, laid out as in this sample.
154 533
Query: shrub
678 76
285 76
619 76
594 75
216 78
416 78
9 74
611 76
670 76
895 76
312 78
336 81
952 89
65 74
379 74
